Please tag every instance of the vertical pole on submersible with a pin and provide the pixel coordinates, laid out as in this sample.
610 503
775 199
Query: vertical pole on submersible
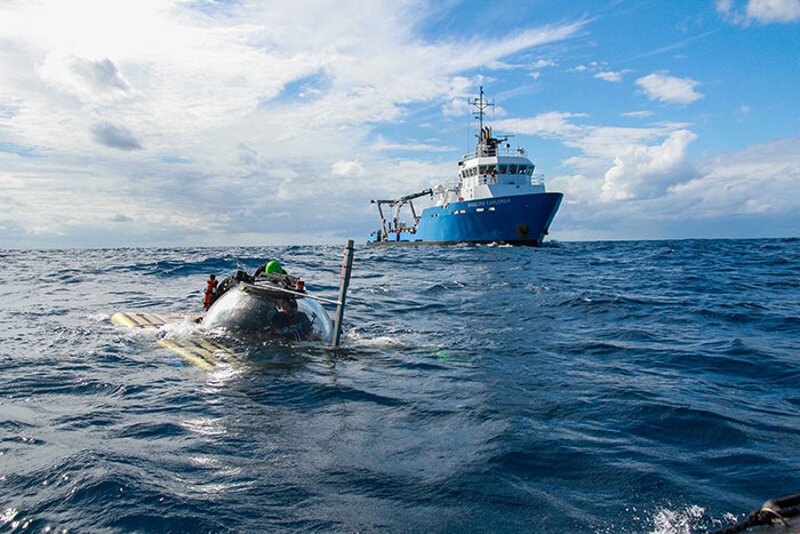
344 281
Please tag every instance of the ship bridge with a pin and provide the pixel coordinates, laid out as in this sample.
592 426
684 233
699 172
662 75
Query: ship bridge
494 169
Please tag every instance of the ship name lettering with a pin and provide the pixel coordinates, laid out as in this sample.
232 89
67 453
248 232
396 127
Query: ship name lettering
493 202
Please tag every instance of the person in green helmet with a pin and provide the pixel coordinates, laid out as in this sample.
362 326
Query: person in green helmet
271 267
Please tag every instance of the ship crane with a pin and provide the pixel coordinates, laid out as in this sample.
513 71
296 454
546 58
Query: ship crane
395 226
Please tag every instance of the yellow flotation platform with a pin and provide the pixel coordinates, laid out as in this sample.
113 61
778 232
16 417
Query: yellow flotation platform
197 351
150 320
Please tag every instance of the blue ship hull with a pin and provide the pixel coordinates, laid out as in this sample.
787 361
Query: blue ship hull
520 219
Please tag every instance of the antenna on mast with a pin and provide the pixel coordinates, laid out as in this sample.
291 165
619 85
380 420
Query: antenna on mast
481 106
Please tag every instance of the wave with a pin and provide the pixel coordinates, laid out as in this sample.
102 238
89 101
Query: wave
608 386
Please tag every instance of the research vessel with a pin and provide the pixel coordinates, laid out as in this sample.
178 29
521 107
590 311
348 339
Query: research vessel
498 199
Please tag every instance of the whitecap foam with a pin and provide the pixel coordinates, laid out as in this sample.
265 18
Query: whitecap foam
666 521
353 337
182 329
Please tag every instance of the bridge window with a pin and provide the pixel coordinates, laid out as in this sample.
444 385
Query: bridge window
512 169
491 169
523 169
501 169
483 169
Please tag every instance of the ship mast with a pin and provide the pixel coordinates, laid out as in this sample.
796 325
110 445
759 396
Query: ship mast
481 106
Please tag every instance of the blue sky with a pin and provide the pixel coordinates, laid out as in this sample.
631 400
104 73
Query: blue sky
160 123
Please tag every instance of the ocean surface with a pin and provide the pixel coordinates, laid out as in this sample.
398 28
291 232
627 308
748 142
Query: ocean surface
578 387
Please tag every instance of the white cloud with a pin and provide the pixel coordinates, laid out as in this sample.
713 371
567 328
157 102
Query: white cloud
599 146
551 124
604 143
610 76
87 79
759 178
760 11
382 144
542 63
637 114
725 8
614 163
649 171
660 86
657 191
456 107
769 11
577 188
347 168
601 71
481 52
219 107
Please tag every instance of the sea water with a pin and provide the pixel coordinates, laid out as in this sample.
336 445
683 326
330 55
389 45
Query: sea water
578 387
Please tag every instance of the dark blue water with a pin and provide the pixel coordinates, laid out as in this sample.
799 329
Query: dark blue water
586 387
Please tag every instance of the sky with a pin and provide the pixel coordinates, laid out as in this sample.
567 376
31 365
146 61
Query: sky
201 123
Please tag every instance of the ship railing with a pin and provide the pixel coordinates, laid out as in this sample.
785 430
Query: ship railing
479 154
486 152
517 179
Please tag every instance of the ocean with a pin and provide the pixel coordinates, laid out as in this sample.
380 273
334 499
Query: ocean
649 386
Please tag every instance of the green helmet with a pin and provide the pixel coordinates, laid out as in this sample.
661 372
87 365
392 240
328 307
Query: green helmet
273 266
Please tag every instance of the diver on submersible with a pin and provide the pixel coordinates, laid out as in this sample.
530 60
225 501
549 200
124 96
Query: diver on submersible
265 302
289 322
270 302
271 271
